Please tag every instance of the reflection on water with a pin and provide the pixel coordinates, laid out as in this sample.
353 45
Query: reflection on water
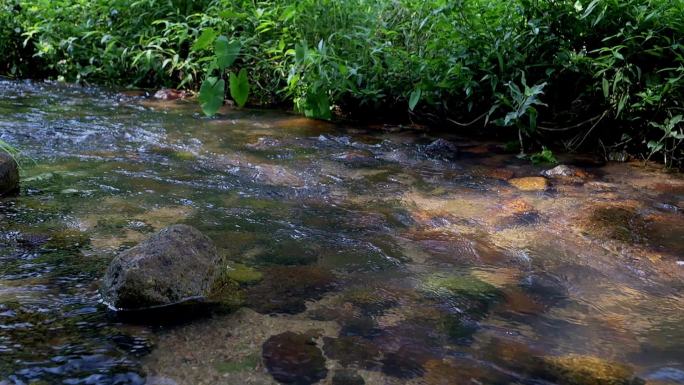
363 255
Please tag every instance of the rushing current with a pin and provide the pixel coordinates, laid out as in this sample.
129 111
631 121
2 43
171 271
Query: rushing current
366 254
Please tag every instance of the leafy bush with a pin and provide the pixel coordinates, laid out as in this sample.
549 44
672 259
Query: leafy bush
581 73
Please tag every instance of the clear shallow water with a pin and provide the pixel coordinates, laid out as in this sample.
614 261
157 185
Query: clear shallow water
395 264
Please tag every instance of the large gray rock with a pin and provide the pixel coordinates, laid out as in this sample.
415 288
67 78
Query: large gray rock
175 265
9 174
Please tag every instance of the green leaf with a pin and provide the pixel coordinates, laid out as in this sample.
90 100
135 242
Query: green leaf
204 40
211 95
239 87
316 104
226 52
606 88
300 53
414 98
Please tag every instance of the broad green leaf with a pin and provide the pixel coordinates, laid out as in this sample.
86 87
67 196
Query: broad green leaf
300 53
239 87
606 88
204 40
226 52
414 98
211 95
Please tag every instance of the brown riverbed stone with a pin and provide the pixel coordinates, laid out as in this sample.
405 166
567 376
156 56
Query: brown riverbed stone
530 183
575 369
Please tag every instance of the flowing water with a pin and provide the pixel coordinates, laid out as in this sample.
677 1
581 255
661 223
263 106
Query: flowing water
364 255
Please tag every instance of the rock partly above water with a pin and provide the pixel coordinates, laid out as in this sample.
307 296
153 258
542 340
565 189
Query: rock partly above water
9 174
174 265
568 174
442 149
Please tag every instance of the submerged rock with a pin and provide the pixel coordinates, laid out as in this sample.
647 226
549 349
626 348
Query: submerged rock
174 265
530 183
276 176
347 377
9 174
352 351
406 363
244 274
616 222
357 158
293 358
575 369
459 371
285 289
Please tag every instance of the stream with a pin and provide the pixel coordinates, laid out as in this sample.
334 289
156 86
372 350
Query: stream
364 254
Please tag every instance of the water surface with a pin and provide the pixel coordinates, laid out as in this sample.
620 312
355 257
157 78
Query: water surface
394 263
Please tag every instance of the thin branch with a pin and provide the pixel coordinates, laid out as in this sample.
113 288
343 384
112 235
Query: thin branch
469 123
575 147
600 116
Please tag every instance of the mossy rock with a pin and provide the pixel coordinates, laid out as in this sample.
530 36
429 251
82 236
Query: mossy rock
244 274
575 369
471 295
466 286
617 223
226 292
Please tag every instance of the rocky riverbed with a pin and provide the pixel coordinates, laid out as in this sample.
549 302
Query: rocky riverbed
352 254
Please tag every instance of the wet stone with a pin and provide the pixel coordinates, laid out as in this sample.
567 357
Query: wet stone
456 372
442 149
264 143
9 174
621 223
569 173
530 183
174 265
464 292
575 369
169 94
293 358
356 158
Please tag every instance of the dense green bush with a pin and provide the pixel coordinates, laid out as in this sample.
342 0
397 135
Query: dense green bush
601 73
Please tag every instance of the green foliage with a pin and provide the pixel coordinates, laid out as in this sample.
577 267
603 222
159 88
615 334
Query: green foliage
573 72
226 52
211 95
8 148
673 136
239 87
544 156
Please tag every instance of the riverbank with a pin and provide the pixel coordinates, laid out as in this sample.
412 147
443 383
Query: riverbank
543 73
